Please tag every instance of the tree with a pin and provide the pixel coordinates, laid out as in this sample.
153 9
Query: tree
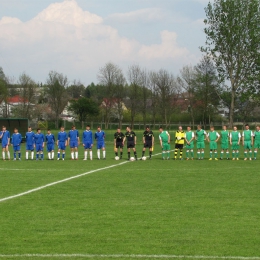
84 107
55 89
76 90
111 76
232 40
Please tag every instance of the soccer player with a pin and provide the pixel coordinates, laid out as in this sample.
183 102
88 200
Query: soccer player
148 140
200 136
30 145
73 140
247 141
39 144
189 138
5 136
213 138
50 140
235 138
179 142
87 141
16 142
100 138
224 142
257 141
130 136
118 142
165 140
62 143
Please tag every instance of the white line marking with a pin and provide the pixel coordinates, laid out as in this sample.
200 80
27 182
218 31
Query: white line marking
64 180
132 256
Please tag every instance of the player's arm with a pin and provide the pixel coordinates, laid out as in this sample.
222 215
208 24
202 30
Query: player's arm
243 139
230 138
42 140
169 138
218 136
143 139
153 140
135 139
239 138
252 137
1 134
160 141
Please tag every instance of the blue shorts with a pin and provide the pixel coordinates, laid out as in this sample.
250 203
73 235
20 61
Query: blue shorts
100 145
88 145
62 146
29 147
17 148
74 144
38 147
50 147
4 145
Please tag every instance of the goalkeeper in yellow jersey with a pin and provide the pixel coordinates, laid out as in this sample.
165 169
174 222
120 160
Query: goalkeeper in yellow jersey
179 142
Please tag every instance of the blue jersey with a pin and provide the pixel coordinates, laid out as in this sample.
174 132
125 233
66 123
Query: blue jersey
16 139
50 139
62 137
100 137
87 137
73 135
5 136
39 138
29 138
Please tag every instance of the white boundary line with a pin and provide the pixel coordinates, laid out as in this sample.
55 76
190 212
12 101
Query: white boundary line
64 180
131 256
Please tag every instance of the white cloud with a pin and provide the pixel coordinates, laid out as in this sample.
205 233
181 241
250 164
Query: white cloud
77 43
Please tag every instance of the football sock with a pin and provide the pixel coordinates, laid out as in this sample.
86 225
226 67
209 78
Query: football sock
180 153
150 153
32 155
215 155
37 155
90 155
63 155
202 154
8 155
192 153
175 153
245 154
121 154
98 153
143 153
198 154
76 155
227 154
255 153
250 154
104 154
168 154
210 154
187 153
128 153
72 155
221 154
49 155
116 153
86 155
52 155
163 154
59 155
135 155
41 155
233 154
26 155
19 155
14 155
237 154
3 153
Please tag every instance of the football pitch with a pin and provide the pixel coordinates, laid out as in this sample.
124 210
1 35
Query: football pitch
107 209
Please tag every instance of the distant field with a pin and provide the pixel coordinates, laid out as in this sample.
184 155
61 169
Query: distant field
130 210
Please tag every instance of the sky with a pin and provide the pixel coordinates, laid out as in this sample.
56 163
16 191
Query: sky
78 37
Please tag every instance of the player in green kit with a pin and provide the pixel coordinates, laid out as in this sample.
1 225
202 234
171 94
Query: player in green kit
257 141
224 142
189 143
165 139
247 140
212 138
235 138
200 137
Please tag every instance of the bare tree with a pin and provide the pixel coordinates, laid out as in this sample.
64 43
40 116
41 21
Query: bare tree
55 89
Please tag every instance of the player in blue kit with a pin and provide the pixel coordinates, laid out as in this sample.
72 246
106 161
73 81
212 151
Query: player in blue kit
5 136
73 139
30 145
16 142
39 144
100 138
62 143
50 141
87 141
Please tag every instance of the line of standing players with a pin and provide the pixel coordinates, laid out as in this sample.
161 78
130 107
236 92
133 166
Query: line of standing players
37 141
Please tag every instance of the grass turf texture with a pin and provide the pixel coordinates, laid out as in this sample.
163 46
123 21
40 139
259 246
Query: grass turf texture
156 207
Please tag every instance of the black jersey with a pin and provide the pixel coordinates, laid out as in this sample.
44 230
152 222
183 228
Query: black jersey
130 136
148 136
119 137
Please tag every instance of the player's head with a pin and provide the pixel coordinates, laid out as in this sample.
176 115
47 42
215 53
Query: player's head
128 128
160 129
3 127
29 129
147 128
118 130
87 127
246 126
180 128
235 128
199 127
62 128
212 128
73 127
224 127
49 131
257 128
15 130
188 128
38 130
98 128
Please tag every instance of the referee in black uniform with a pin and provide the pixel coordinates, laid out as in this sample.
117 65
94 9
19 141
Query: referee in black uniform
148 140
119 142
130 136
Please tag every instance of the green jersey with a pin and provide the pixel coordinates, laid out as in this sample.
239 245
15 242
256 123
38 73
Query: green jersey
235 135
257 136
224 136
200 135
213 135
164 136
247 135
189 136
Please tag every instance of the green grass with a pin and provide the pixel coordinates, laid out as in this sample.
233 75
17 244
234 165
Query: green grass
208 208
